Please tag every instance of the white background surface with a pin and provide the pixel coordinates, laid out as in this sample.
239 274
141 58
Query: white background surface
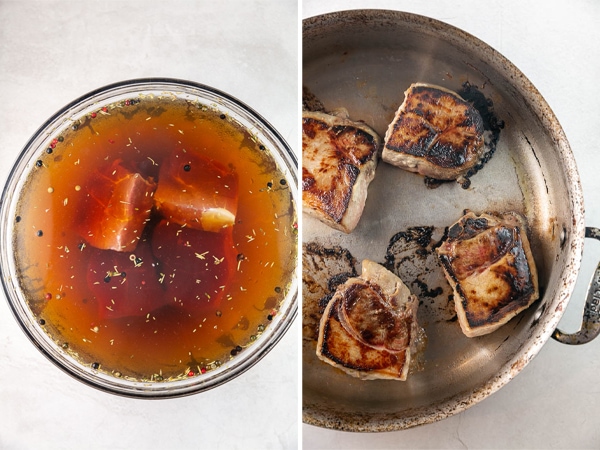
54 51
555 401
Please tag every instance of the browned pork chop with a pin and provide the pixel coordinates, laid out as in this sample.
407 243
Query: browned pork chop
339 157
435 133
488 262
369 327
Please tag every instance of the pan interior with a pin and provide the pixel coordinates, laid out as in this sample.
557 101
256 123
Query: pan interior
363 61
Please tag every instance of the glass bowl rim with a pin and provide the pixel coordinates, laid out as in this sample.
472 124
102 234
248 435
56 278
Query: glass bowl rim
238 365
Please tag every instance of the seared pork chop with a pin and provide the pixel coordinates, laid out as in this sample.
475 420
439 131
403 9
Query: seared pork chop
369 327
435 133
339 157
488 262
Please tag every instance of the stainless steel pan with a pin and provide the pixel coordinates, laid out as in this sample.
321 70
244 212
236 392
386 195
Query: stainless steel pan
363 60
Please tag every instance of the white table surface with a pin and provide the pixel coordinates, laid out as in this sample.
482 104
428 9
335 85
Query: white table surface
555 401
54 51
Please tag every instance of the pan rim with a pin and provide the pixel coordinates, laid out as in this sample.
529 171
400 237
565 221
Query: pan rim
313 415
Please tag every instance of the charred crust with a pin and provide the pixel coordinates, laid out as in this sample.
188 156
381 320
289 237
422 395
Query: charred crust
348 150
453 147
338 279
338 351
504 243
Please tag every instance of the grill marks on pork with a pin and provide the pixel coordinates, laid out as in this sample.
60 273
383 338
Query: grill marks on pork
488 261
339 158
369 326
435 133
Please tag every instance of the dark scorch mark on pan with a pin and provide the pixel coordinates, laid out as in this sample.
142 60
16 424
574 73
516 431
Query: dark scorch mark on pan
310 102
323 270
410 254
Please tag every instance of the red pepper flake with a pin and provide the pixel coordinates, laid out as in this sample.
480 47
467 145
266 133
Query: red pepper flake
203 370
127 103
191 373
105 109
112 141
93 115
48 296
295 225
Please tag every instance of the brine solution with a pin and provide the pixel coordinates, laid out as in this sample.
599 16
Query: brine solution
155 238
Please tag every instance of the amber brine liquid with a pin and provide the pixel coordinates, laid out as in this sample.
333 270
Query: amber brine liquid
160 334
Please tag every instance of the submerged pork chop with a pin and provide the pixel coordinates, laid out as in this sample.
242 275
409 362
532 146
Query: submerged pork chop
435 133
369 327
339 158
488 262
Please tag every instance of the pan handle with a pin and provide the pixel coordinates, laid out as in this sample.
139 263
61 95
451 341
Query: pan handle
590 326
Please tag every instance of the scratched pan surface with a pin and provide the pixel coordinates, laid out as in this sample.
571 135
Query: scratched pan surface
363 61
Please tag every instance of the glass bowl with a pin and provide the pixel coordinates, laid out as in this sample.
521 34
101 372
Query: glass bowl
30 295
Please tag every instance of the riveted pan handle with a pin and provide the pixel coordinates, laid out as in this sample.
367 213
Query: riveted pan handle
590 326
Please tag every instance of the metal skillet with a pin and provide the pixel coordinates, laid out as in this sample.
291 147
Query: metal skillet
362 61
